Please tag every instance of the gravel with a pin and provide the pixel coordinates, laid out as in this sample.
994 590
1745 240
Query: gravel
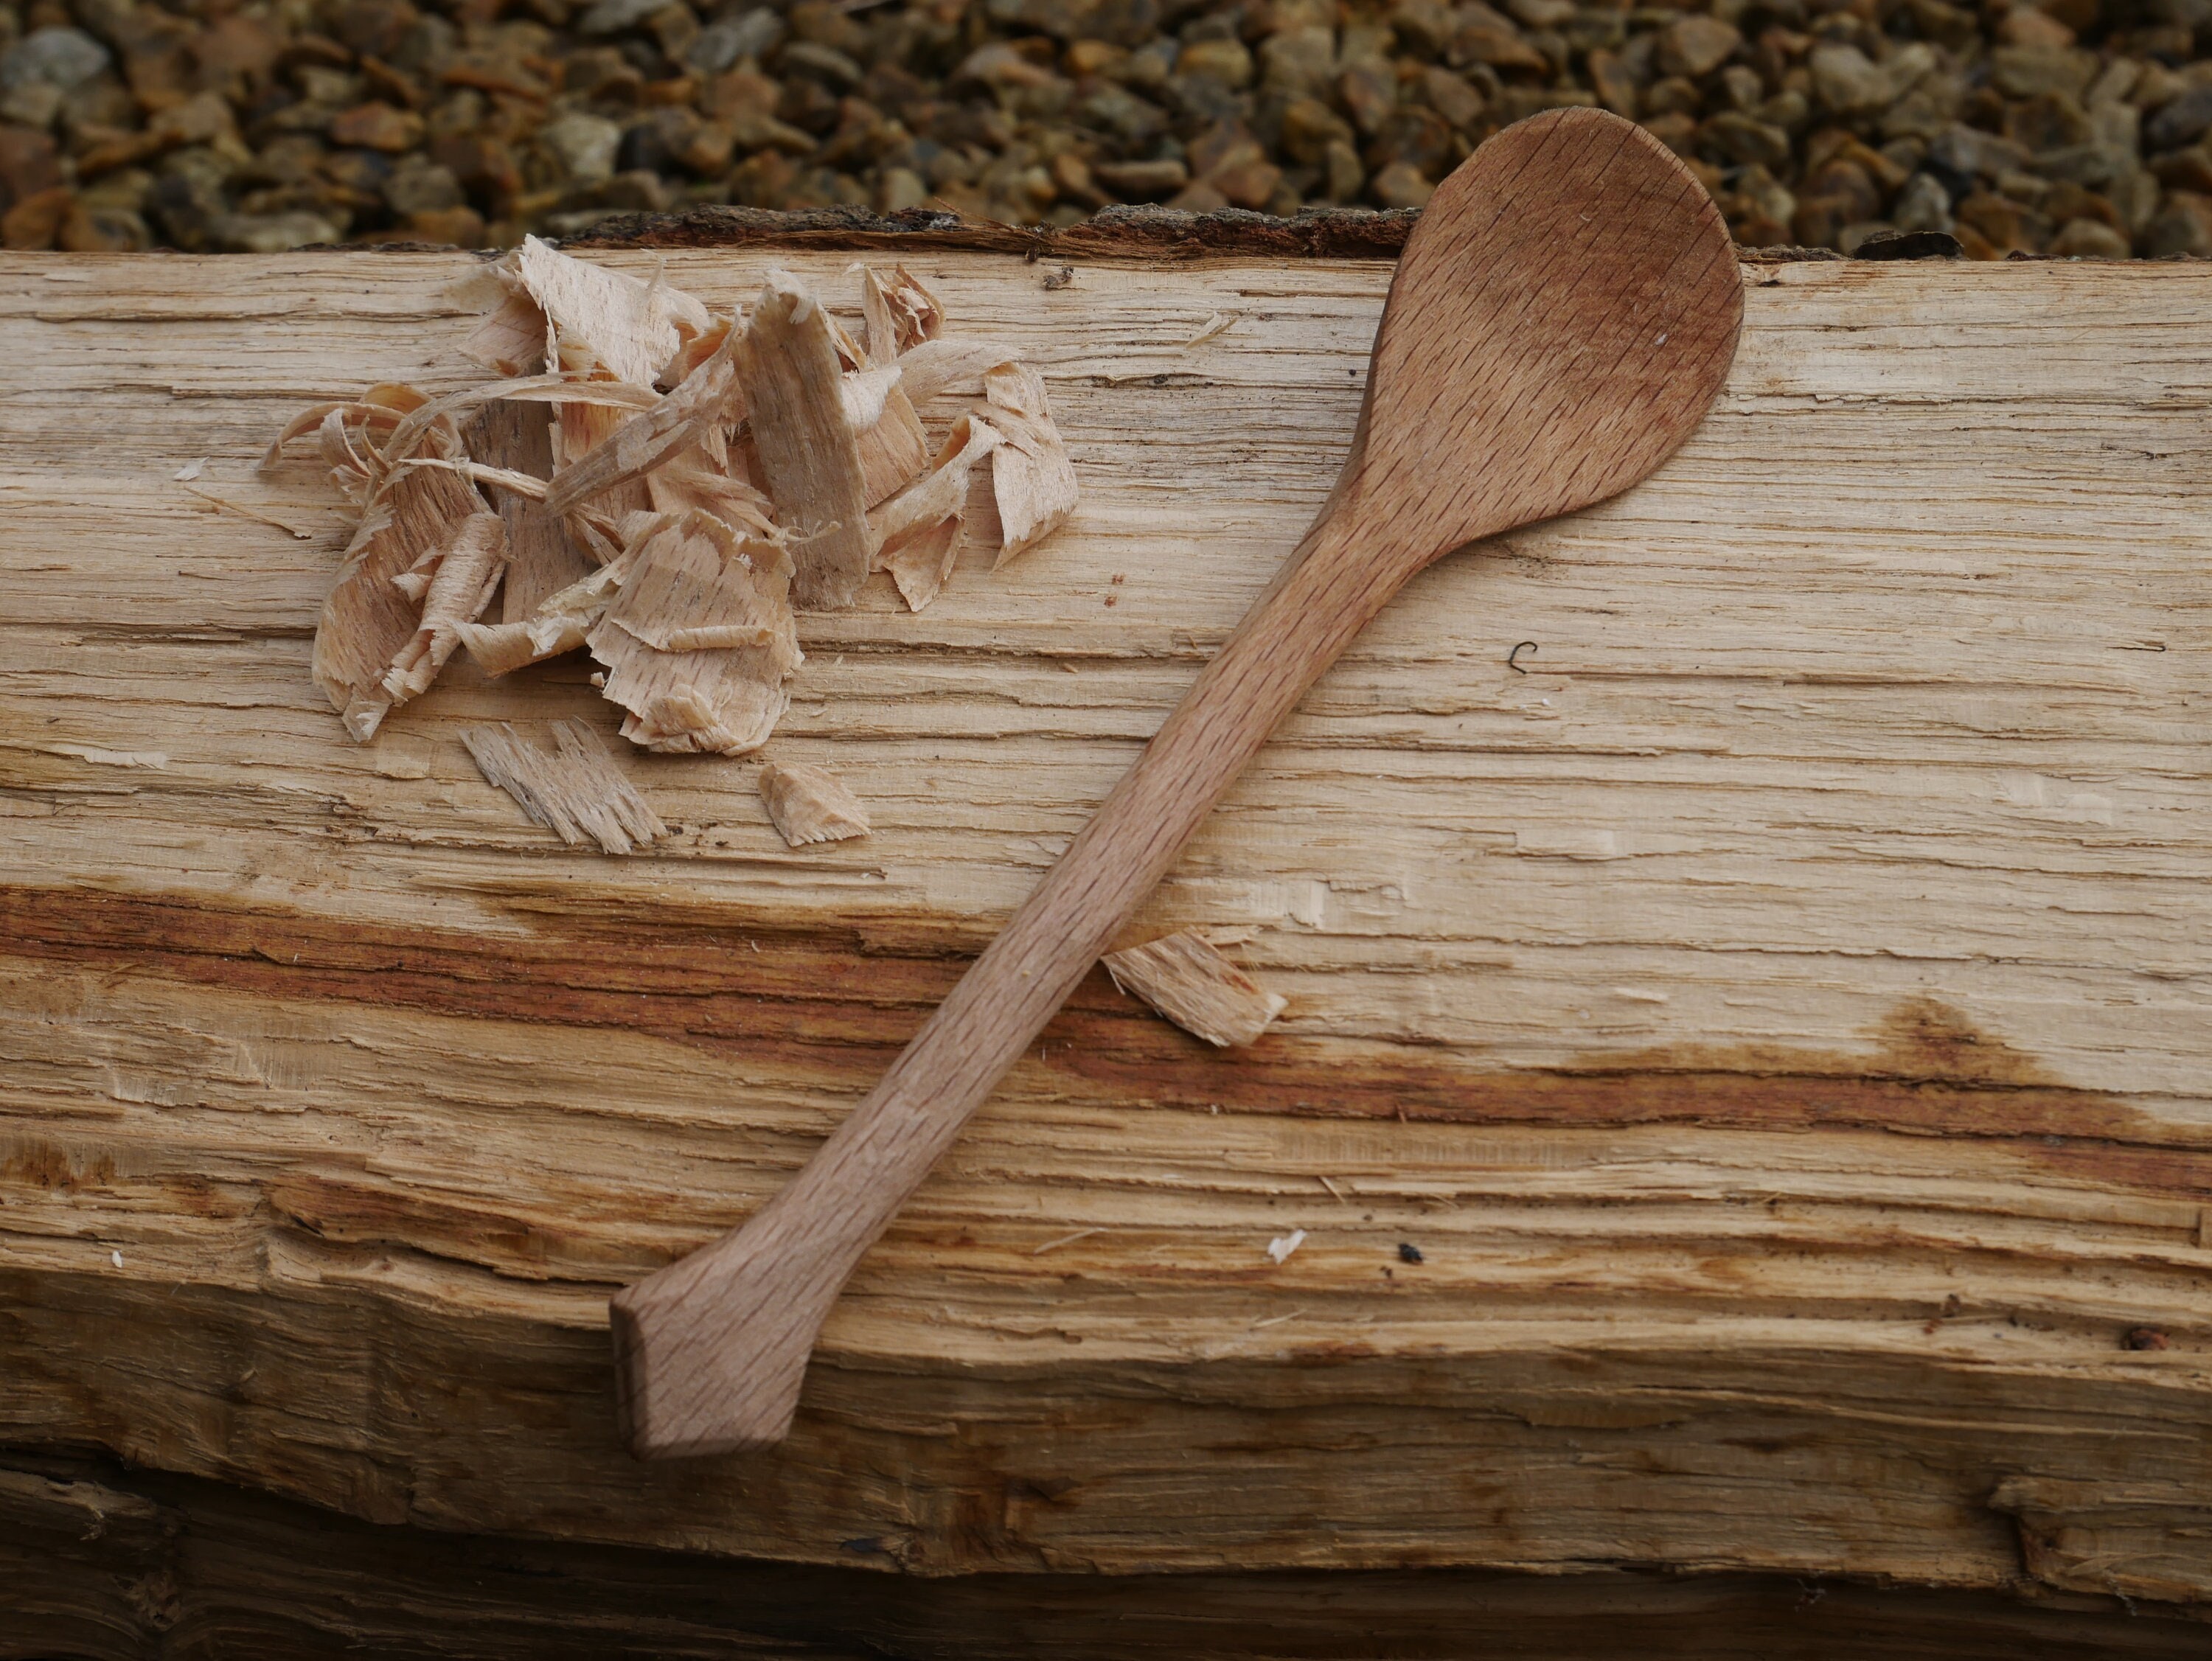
2077 127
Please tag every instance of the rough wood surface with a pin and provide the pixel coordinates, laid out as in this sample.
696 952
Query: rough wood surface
1776 1007
98 1562
1576 240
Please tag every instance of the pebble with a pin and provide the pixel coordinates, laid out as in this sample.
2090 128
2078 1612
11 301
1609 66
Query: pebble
56 56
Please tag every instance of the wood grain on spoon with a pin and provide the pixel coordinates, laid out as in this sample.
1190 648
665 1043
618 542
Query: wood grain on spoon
1562 318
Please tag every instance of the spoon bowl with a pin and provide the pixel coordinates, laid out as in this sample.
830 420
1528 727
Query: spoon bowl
1564 314
1562 317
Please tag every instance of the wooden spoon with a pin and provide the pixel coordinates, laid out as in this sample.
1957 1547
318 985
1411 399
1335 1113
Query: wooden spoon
1562 317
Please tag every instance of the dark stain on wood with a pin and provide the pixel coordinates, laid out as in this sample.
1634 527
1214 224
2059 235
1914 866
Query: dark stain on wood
843 1007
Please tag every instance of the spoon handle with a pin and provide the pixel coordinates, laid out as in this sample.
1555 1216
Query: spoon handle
710 1351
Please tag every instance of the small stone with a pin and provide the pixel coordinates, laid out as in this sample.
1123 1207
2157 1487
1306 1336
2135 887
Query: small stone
418 185
2089 239
32 222
730 40
2184 225
584 144
2027 25
272 233
1224 60
1249 183
1966 153
1199 197
456 227
1845 80
1298 62
1741 86
1309 127
33 104
1419 137
374 28
613 16
2181 121
1616 88
58 56
1923 205
2005 225
1452 97
1696 44
1501 47
2047 121
2024 71
1766 194
835 69
1741 138
899 189
29 163
1142 181
1343 173
1400 185
1370 93
377 126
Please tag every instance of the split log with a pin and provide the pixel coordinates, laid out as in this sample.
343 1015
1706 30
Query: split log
1750 940
98 1561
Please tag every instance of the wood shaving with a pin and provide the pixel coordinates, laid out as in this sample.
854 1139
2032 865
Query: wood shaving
1031 474
917 532
810 457
367 621
693 574
560 624
631 328
808 805
949 366
511 338
708 397
1183 977
574 789
1219 324
224 505
453 583
901 313
893 449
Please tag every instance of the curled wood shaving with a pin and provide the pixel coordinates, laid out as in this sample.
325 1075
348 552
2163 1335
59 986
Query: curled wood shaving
542 557
808 805
677 488
946 366
1183 977
454 583
707 398
574 789
918 531
560 624
894 450
809 458
1031 474
367 621
631 329
511 338
696 574
901 313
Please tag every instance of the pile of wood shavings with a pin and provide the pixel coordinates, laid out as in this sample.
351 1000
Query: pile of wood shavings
661 487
